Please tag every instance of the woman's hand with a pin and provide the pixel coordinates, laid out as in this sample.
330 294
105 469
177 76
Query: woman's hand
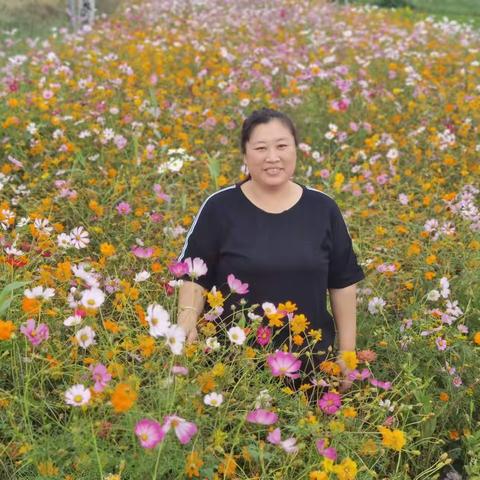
187 319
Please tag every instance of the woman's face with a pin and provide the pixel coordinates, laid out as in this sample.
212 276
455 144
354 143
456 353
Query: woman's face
271 154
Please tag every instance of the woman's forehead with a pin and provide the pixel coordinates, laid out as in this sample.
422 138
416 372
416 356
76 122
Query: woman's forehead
272 131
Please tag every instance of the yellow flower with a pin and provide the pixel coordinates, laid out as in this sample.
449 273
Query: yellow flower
218 370
350 359
349 412
215 298
368 448
299 323
394 439
107 249
47 469
316 334
318 475
347 470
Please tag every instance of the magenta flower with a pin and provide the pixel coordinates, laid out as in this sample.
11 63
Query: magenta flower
264 335
236 286
183 430
124 208
274 437
35 334
179 370
284 364
380 384
328 452
100 376
149 432
142 252
178 269
261 416
330 403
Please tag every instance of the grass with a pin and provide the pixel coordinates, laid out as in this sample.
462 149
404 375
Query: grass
33 18
465 11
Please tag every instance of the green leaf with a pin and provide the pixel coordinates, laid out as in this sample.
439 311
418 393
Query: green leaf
6 295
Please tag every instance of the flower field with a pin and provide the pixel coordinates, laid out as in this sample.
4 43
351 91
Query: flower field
111 139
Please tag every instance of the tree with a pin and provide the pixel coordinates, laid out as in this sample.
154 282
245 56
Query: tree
81 12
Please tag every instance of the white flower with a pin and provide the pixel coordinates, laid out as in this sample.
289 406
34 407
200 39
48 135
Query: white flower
158 319
212 343
176 283
85 336
79 238
13 251
263 400
445 287
32 128
77 395
175 337
142 276
375 305
42 225
92 298
64 240
253 316
73 320
392 154
433 295
40 292
196 267
269 308
213 399
236 335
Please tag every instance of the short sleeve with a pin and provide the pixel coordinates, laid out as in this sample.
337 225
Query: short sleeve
343 269
202 241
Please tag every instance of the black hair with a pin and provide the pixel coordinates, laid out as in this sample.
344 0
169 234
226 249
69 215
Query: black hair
264 115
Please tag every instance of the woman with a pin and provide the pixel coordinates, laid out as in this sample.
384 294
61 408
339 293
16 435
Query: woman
287 241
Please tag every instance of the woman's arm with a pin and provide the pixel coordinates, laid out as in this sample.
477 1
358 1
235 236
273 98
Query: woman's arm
344 309
191 300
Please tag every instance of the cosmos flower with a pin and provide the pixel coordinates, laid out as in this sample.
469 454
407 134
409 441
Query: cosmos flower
184 430
213 399
262 417
35 334
158 319
77 395
330 403
284 364
85 336
236 286
149 432
236 335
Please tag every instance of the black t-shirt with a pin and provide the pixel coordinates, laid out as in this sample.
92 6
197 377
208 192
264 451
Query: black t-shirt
295 255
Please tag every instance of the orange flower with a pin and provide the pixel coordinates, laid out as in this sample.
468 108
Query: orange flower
206 382
6 329
228 467
30 305
147 346
298 340
444 397
194 462
123 397
141 314
111 326
476 338
330 368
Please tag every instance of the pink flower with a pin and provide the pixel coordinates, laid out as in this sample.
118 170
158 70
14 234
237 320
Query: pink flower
329 452
179 370
35 334
142 252
380 384
261 416
441 343
289 444
324 173
263 335
178 269
196 267
100 376
124 208
284 364
356 375
183 430
149 432
330 403
236 286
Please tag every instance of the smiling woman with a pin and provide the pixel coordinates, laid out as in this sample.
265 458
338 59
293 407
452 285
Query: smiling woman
288 242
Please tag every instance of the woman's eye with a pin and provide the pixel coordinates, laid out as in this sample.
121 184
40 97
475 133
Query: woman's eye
260 148
282 146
